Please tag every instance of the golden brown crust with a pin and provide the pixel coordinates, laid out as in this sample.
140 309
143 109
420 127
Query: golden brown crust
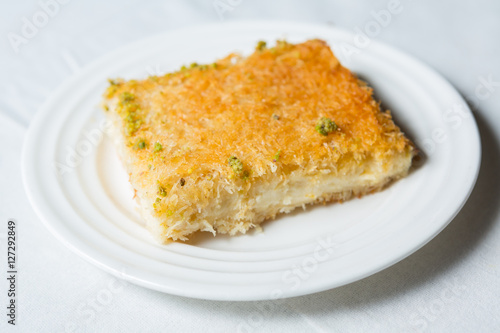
251 108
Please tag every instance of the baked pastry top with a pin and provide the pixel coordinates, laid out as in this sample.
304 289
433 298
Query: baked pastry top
222 147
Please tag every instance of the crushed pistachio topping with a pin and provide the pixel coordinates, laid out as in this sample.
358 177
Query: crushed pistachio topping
162 191
113 87
237 167
182 181
325 126
133 123
276 156
281 43
158 209
128 111
126 97
261 45
157 147
156 204
140 144
196 65
235 164
275 116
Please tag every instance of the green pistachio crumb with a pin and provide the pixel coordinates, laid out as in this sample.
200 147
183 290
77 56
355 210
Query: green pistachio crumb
235 164
129 112
213 65
113 87
281 43
182 181
183 68
157 147
141 144
149 166
193 65
275 116
126 97
261 45
324 126
162 191
276 156
132 125
156 204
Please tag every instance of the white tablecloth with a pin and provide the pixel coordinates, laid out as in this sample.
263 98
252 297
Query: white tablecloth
450 285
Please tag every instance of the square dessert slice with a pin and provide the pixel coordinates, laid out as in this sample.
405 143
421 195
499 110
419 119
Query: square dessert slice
225 146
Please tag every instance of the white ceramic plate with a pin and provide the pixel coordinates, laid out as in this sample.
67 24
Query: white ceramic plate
80 191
